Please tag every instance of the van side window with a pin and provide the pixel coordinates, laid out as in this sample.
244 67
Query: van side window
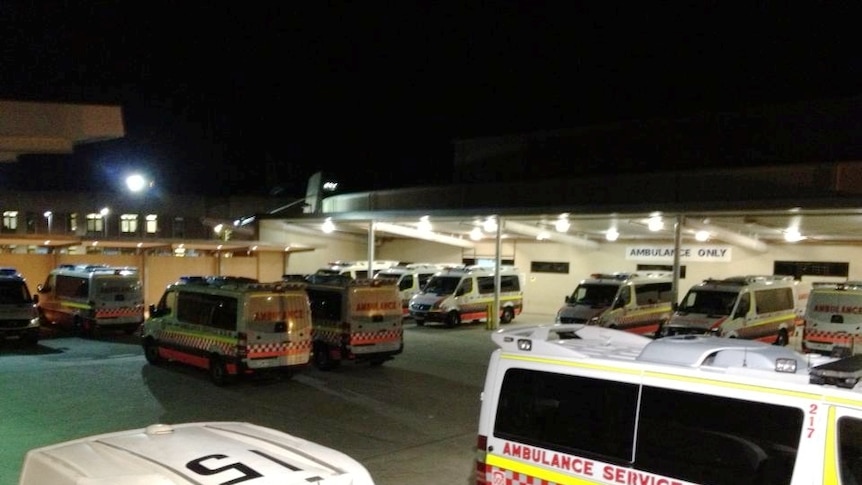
70 287
406 282
568 414
423 278
224 312
210 310
850 450
325 305
485 284
652 293
742 442
510 283
743 306
774 300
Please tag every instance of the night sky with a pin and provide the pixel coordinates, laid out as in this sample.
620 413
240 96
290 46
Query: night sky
253 97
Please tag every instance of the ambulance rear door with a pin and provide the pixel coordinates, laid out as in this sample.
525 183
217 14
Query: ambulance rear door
278 329
833 318
374 318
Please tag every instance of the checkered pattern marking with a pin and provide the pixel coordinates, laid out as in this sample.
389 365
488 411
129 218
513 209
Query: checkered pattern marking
119 312
197 342
499 476
833 337
365 338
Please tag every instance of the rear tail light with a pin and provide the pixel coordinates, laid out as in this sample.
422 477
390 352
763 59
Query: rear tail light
481 469
242 345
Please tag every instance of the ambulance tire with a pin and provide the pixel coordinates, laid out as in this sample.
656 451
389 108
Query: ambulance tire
151 351
323 358
218 371
508 315
453 319
783 338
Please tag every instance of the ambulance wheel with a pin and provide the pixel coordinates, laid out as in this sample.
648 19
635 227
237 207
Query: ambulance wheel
151 351
218 371
783 338
508 315
453 319
322 358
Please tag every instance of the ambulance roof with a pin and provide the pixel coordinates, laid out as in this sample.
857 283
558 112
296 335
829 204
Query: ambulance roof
620 277
191 453
724 355
739 281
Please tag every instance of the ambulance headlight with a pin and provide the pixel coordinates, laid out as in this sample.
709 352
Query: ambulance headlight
525 344
785 365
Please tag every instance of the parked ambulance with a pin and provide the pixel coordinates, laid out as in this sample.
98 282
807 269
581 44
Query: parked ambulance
191 454
833 318
410 278
570 403
355 269
230 327
356 320
465 294
87 299
757 307
638 302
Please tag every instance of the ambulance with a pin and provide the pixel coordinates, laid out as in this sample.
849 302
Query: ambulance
757 307
203 453
356 320
19 320
833 318
572 403
87 299
465 294
410 278
230 328
638 302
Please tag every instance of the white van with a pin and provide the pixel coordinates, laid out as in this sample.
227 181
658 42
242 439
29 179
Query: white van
757 307
571 403
355 320
87 299
191 454
230 327
19 320
355 269
465 294
410 278
638 302
833 318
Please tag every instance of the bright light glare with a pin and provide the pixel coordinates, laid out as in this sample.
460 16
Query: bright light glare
424 224
562 225
136 182
328 226
490 225
104 211
793 235
476 234
612 234
655 224
702 236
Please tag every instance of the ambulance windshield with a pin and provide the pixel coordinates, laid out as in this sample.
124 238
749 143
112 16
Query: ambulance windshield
708 302
594 295
442 285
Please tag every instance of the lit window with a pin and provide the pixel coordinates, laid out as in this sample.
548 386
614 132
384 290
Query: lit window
10 220
128 223
94 222
152 223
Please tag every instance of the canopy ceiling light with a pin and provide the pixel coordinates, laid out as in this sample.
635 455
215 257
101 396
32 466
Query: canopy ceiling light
727 236
425 235
534 231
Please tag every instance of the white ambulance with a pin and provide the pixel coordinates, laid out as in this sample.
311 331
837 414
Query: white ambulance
410 278
756 307
354 320
19 320
638 302
569 403
465 294
230 327
87 299
206 453
833 318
